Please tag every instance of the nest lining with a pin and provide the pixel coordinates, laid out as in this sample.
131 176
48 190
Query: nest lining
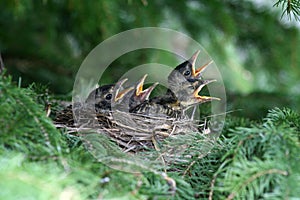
136 133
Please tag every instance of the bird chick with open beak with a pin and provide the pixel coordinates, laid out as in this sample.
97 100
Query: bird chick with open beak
140 94
186 98
183 76
128 99
186 73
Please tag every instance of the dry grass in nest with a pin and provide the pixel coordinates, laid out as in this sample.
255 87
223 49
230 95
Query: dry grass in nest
154 138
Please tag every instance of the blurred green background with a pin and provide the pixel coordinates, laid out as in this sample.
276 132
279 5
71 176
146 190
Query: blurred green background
255 50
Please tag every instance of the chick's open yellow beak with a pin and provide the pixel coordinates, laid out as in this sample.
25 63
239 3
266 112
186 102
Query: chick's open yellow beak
196 72
120 94
140 92
204 98
146 93
194 57
140 85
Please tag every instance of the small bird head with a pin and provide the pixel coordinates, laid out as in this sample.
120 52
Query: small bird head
101 98
140 95
186 72
197 73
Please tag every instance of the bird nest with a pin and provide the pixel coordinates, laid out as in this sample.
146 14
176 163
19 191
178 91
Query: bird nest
153 138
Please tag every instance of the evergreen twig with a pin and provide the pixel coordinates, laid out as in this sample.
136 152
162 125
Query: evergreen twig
290 7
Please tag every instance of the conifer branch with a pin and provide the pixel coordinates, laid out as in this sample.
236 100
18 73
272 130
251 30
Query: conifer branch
254 177
290 7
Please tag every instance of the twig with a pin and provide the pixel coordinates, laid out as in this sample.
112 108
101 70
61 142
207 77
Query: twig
188 168
1 64
212 185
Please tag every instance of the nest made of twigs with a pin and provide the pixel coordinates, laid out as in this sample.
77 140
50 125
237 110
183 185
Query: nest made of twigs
138 134
131 131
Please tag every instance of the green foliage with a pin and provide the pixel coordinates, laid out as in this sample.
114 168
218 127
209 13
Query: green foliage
200 171
24 180
290 7
24 125
53 49
263 160
38 161
259 103
256 160
250 56
251 160
254 62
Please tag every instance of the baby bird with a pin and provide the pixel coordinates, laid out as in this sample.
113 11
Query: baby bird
99 98
186 73
182 83
134 95
187 97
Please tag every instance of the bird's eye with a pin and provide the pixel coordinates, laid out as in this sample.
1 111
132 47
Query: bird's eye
191 87
108 96
187 73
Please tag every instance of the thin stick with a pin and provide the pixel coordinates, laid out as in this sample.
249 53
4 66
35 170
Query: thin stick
1 64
